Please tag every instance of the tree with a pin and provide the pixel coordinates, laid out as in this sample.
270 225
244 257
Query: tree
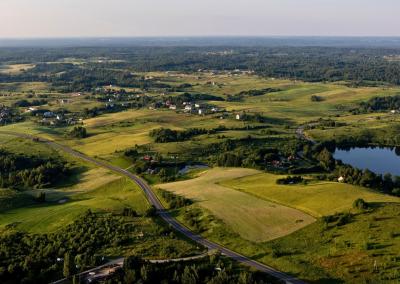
189 275
41 197
68 265
360 204
78 132
151 212
326 159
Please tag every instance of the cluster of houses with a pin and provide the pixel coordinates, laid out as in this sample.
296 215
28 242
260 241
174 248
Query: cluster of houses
195 108
283 162
54 119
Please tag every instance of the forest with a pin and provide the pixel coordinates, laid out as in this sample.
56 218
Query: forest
359 65
24 172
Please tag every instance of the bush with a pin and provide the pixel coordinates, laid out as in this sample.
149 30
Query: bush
290 180
315 98
344 219
360 204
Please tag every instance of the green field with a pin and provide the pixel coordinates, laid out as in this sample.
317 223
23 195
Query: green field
66 205
365 250
242 208
318 198
252 218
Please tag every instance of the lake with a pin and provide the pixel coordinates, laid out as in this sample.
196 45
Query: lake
378 160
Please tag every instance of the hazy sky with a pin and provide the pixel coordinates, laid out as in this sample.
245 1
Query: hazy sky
69 18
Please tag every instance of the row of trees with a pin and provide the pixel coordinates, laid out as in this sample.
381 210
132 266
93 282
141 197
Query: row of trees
378 104
165 135
26 103
210 270
251 93
174 201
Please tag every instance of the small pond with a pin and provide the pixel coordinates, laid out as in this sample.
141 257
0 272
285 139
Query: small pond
378 160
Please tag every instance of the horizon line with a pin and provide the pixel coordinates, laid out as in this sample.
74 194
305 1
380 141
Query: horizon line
195 36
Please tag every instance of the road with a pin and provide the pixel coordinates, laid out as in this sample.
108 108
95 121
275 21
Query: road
301 135
153 200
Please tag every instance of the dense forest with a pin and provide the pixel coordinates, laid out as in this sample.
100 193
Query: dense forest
31 258
360 65
24 172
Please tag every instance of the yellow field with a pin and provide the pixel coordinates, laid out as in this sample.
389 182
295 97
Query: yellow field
254 219
315 198
15 69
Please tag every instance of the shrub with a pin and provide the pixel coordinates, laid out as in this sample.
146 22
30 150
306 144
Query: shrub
290 180
360 204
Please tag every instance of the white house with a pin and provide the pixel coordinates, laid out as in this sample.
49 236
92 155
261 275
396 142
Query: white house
48 114
341 179
238 117
173 107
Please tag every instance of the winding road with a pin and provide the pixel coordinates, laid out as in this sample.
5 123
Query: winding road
162 212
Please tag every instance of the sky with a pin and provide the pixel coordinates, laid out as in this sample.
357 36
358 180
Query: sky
130 18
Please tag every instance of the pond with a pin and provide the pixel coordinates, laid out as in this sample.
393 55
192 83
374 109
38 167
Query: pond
377 160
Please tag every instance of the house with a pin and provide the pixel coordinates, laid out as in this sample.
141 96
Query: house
341 179
188 108
147 158
173 107
238 117
214 109
201 111
196 105
48 114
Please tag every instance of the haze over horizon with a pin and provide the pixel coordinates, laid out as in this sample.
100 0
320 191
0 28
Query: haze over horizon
124 18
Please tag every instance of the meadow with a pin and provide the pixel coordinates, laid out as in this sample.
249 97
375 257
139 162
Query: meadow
252 218
318 198
64 206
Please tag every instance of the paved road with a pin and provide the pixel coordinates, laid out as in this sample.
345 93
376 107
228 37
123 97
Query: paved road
152 198
301 135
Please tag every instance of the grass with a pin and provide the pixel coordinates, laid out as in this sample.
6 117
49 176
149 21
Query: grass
63 206
345 253
320 252
252 218
317 198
